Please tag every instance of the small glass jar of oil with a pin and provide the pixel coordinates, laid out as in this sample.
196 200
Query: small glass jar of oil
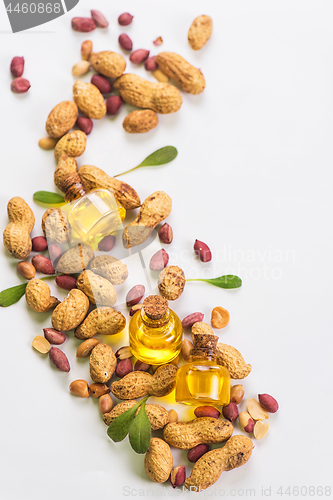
203 381
155 332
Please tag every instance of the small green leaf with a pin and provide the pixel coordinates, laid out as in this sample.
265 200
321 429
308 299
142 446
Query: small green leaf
12 295
228 281
48 197
139 431
159 157
119 427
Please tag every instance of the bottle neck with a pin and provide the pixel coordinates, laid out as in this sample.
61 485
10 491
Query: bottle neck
203 354
155 323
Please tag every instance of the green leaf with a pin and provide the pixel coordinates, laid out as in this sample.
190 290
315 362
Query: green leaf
139 431
119 427
159 157
227 281
12 295
48 197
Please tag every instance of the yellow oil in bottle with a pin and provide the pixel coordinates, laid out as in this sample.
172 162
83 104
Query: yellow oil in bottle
203 381
93 216
155 332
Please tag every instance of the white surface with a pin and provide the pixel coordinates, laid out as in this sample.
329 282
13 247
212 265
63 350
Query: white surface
252 179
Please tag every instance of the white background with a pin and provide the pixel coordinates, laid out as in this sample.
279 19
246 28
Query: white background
252 179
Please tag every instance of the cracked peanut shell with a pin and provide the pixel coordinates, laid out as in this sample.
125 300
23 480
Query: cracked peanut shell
102 321
89 100
103 363
207 470
75 260
201 430
61 119
55 226
72 144
160 97
71 311
171 282
187 76
110 268
108 63
98 290
200 32
94 177
157 414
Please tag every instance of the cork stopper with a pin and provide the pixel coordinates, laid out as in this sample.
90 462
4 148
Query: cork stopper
203 337
73 186
155 307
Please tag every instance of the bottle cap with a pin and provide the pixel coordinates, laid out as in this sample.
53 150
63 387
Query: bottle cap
155 307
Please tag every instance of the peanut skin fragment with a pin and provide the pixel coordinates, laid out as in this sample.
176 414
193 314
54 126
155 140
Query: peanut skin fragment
210 466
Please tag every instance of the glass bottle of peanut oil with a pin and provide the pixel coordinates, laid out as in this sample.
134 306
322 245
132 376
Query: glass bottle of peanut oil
91 214
203 381
155 332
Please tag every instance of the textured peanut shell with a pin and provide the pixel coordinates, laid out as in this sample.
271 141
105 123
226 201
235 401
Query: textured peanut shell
137 383
160 97
38 296
171 282
102 321
61 119
140 121
158 461
89 100
71 311
66 165
16 236
94 177
187 76
72 144
103 363
98 290
158 416
187 435
154 210
232 359
55 225
75 260
110 268
108 63
200 32
207 470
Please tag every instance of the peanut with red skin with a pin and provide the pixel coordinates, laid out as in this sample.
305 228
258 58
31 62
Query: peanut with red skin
150 63
66 281
177 476
135 308
125 42
207 411
54 336
123 352
124 367
202 251
246 422
99 19
158 41
20 85
59 359
268 403
17 66
159 260
230 412
83 24
113 104
139 56
165 234
42 264
189 320
135 295
39 244
84 124
107 243
141 366
197 452
125 19
102 83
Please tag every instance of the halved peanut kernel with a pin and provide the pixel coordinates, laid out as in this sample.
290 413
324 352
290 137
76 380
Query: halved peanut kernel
220 317
124 352
41 344
255 410
86 347
260 429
